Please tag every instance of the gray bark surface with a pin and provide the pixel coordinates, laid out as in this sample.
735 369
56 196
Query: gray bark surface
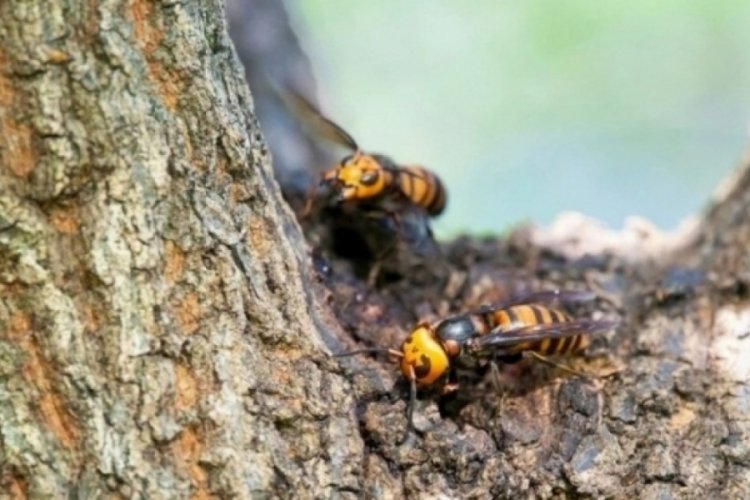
157 337
164 335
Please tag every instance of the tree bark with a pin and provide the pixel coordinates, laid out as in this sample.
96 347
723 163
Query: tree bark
158 331
163 334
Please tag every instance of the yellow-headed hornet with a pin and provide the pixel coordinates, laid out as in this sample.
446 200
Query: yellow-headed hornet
367 178
503 332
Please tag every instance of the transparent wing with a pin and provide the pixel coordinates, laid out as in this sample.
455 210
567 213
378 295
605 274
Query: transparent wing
409 173
503 339
316 121
541 297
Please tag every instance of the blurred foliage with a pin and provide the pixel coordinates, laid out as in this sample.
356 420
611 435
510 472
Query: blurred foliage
529 108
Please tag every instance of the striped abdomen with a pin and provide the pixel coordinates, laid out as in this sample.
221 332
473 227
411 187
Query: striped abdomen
423 188
535 314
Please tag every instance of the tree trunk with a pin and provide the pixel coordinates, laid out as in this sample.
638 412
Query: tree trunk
158 331
162 333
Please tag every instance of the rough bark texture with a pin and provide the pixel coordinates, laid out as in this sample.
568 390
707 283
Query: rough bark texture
157 337
162 333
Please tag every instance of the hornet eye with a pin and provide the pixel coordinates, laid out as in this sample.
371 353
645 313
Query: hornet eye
369 178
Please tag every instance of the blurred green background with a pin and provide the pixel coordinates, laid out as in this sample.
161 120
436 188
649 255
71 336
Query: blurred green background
529 108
